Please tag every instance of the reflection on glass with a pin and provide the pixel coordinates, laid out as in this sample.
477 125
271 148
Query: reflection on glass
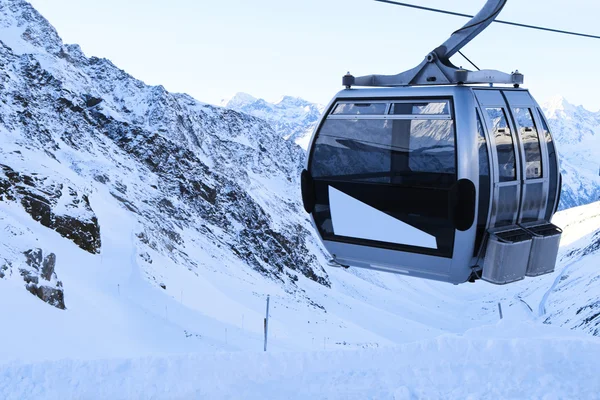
531 143
484 186
386 151
484 163
508 205
504 144
359 109
425 108
553 167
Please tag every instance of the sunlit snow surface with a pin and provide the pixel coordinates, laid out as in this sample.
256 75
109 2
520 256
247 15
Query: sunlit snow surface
381 336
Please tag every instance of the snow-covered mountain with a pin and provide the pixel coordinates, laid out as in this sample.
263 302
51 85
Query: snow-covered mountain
206 187
577 132
292 118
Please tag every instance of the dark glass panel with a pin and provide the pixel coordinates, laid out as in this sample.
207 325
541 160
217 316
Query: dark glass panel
354 149
508 205
531 142
418 152
359 109
421 108
553 167
504 144
534 199
484 186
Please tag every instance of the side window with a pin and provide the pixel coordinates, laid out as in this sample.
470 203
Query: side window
531 143
504 144
484 186
484 161
359 109
552 162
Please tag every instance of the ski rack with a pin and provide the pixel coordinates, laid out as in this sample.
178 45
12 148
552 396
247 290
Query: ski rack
436 68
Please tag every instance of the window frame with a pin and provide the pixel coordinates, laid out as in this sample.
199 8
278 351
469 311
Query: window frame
389 100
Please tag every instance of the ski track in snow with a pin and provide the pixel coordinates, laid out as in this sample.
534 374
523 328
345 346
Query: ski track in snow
564 270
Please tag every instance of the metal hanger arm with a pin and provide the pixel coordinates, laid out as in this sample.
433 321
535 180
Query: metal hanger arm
474 27
437 69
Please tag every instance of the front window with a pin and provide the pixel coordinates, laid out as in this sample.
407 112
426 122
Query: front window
388 150
397 157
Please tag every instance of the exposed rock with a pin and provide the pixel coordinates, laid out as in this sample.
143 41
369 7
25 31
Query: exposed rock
48 266
29 276
43 268
40 195
34 258
53 296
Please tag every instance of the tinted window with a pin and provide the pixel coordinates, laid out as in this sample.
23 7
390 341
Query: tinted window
531 143
484 186
425 108
359 109
504 144
385 151
353 149
403 166
508 205
552 162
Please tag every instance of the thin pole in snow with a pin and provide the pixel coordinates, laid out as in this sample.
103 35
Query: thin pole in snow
267 323
118 289
500 309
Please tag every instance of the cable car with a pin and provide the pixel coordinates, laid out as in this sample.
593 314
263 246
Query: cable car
437 172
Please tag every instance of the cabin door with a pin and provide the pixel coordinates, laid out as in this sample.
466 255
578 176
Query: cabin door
519 180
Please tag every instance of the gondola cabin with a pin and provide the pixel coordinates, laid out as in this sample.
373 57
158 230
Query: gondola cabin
450 183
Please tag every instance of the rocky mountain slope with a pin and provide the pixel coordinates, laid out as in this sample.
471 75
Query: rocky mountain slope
197 178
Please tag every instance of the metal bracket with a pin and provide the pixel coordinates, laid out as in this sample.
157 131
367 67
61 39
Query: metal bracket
436 68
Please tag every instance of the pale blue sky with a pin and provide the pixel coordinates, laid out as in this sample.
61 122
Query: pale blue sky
269 48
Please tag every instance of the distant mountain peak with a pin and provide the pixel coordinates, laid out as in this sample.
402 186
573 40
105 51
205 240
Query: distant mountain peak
557 103
237 100
293 118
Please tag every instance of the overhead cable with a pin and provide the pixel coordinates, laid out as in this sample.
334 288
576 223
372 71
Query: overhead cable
541 28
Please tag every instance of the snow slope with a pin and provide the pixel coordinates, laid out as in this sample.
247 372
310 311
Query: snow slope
382 336
537 364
